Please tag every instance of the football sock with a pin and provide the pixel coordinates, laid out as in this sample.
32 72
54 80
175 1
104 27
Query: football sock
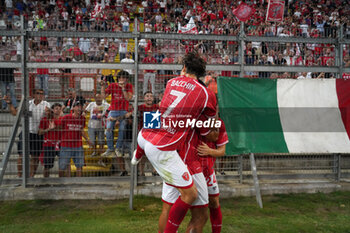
176 215
139 152
216 219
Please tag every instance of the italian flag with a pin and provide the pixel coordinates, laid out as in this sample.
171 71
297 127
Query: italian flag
285 115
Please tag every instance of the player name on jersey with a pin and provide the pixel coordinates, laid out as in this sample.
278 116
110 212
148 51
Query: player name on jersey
184 84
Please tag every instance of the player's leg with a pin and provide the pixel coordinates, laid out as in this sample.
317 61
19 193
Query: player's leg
173 171
163 218
215 214
198 220
214 205
199 208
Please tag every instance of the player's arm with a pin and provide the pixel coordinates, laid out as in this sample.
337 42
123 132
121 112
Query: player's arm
205 150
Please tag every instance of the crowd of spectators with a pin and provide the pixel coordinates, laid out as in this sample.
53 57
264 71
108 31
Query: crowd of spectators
302 18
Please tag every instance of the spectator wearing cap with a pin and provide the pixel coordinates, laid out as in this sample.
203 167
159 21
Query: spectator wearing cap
73 126
122 93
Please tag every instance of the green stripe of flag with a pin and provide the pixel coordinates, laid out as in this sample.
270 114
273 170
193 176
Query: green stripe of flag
250 111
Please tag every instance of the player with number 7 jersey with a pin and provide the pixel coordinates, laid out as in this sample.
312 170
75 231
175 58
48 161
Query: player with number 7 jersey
185 100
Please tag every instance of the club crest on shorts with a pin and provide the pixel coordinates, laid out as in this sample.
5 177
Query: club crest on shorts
186 176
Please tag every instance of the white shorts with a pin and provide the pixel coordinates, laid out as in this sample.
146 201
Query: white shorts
171 194
168 164
213 186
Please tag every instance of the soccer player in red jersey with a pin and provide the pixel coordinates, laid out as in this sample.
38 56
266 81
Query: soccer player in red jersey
185 99
209 151
170 194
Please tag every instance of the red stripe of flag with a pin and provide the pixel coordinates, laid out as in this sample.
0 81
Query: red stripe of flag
343 92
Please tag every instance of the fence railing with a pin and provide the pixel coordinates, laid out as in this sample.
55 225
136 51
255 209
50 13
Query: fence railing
30 54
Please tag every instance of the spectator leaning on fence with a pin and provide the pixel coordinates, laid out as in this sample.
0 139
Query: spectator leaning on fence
7 81
37 106
50 128
73 126
121 93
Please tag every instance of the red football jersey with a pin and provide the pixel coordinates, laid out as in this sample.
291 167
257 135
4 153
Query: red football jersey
118 102
72 131
184 100
209 161
53 136
189 154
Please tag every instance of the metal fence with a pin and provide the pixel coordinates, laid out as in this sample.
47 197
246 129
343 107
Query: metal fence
56 66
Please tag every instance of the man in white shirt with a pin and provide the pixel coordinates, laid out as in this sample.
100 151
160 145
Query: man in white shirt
84 46
123 48
37 106
128 59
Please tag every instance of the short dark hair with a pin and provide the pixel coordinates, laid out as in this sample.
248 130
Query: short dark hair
194 64
37 89
123 73
56 105
147 92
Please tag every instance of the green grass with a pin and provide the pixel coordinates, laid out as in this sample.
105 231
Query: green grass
282 213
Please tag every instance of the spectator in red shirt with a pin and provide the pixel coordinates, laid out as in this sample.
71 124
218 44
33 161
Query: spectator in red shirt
43 75
149 75
148 106
121 92
73 126
49 127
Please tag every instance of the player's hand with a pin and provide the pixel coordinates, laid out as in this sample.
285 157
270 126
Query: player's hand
213 135
134 160
203 149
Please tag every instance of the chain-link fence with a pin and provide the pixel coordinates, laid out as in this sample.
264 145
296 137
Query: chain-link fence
89 85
